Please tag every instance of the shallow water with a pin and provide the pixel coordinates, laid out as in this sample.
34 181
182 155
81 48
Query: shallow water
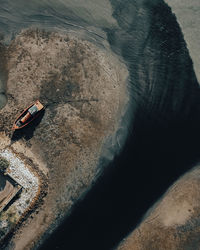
61 15
163 139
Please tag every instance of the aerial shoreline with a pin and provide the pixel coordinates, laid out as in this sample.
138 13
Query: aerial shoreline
80 119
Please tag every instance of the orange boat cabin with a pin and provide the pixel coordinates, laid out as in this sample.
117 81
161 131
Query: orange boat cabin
28 115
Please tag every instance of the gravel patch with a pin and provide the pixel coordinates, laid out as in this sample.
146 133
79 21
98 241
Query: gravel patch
19 172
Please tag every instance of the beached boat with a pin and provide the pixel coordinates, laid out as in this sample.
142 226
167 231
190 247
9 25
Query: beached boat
28 115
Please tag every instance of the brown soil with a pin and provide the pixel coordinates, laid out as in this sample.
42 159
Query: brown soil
84 91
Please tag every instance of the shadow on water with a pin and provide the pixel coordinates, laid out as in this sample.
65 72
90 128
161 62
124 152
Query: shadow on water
164 139
28 131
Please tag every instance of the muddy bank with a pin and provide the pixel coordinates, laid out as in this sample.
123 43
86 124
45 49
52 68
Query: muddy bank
84 91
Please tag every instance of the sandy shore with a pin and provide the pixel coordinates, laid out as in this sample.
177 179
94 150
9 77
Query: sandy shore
84 90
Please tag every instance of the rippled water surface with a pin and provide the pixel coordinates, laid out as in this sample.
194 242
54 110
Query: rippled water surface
163 138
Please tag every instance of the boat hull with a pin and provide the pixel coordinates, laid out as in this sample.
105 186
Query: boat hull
16 127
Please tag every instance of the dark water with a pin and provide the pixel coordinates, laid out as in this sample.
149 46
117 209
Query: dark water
163 139
164 135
